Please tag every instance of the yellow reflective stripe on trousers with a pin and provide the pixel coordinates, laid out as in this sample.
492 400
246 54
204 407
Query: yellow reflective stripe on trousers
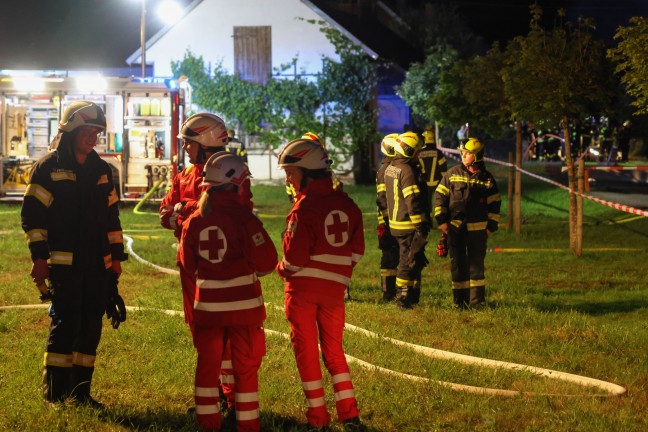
477 283
85 360
59 360
61 258
460 285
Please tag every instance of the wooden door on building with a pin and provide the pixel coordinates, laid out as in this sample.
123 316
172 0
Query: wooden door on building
253 53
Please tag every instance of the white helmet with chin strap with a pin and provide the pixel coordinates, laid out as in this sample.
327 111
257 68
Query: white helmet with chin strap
206 129
304 153
224 168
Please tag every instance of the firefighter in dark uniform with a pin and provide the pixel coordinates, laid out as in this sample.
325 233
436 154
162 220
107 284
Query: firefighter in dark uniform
407 210
432 162
386 242
236 147
71 218
466 207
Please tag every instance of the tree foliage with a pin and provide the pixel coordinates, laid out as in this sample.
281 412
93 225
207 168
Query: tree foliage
339 105
631 58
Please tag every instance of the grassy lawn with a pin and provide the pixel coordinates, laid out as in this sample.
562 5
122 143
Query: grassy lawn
546 308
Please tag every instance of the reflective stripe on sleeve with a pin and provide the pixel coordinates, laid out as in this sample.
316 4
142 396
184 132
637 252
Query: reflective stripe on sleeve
493 198
40 193
36 235
476 226
115 237
61 258
410 190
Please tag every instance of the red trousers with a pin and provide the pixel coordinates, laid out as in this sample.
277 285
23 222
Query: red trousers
188 283
248 348
316 318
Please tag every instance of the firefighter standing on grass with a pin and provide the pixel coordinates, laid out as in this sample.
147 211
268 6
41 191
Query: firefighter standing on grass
432 162
466 207
386 242
324 241
227 248
71 218
407 205
203 135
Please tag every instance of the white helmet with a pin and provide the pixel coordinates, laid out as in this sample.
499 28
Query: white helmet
304 153
224 168
206 129
82 113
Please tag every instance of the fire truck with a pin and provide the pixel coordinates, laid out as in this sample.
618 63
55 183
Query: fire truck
143 116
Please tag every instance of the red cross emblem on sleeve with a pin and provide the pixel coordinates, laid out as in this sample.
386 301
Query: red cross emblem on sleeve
212 244
336 227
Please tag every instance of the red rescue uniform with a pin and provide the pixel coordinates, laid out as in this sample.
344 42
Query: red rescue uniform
227 250
324 241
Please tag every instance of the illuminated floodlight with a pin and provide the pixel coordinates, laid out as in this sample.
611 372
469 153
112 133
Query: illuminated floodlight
169 12
28 83
91 83
594 152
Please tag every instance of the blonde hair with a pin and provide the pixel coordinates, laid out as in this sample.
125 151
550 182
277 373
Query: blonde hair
204 206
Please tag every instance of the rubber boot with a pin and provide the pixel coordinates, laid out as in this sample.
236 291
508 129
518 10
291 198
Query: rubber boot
402 300
461 297
388 287
414 294
81 380
478 297
56 383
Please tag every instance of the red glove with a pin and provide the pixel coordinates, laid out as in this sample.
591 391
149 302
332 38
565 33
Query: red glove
380 230
442 246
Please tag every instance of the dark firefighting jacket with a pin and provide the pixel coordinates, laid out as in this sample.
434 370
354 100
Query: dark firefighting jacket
433 165
381 191
70 212
406 201
467 201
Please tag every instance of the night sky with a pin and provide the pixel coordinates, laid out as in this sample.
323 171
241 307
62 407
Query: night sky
76 34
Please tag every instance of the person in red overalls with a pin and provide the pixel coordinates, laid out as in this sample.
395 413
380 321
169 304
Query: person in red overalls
226 247
324 240
203 135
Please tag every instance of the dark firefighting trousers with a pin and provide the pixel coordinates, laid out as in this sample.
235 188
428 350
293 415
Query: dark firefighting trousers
77 309
320 318
467 252
248 348
408 277
227 386
388 264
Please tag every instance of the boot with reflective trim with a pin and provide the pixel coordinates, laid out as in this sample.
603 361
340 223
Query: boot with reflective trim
461 297
56 383
388 287
478 297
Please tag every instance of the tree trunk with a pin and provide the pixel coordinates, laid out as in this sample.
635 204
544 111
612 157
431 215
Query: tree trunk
518 178
511 189
572 185
579 209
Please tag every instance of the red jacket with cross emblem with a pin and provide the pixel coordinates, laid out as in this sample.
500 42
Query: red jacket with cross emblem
227 250
186 189
324 240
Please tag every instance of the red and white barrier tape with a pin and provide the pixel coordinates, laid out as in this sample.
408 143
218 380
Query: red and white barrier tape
617 206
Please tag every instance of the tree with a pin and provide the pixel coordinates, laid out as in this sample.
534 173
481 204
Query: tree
556 76
631 58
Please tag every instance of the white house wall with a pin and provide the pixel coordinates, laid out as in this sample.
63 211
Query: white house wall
207 31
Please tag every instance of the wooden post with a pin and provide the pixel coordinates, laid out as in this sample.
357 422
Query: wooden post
511 179
579 208
518 178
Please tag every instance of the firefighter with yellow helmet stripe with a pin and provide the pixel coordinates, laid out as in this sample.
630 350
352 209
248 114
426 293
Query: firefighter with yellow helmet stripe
386 242
432 162
408 217
466 207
